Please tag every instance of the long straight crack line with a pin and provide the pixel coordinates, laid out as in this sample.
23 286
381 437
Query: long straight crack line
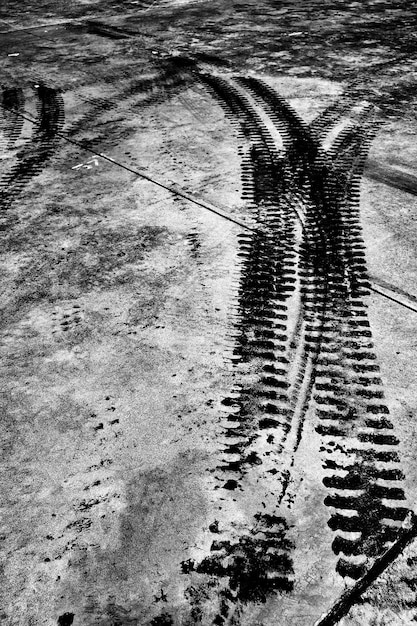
392 298
170 188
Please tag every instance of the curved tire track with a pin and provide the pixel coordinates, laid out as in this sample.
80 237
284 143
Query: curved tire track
13 101
32 158
350 407
251 558
331 345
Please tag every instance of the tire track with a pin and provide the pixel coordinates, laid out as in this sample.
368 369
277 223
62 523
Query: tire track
305 162
287 396
328 361
167 79
328 355
32 158
251 558
366 497
13 101
359 447
351 405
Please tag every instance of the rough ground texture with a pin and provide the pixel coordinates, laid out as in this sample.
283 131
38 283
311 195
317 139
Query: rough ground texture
208 261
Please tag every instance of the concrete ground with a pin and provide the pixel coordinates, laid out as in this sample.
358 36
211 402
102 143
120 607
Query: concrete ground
208 261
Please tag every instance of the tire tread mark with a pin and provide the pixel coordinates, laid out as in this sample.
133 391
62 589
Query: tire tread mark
254 560
333 247
32 158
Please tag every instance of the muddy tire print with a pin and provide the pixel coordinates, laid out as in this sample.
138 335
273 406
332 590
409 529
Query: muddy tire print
302 340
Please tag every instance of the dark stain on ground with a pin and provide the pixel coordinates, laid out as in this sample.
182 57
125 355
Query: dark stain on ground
105 30
165 512
104 257
392 176
66 619
162 620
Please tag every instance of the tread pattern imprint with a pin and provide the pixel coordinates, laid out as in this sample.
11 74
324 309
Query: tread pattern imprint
302 341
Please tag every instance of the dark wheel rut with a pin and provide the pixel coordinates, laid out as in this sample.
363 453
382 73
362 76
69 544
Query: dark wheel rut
325 362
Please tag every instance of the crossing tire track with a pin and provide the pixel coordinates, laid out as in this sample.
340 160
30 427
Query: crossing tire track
306 161
331 345
350 407
331 115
